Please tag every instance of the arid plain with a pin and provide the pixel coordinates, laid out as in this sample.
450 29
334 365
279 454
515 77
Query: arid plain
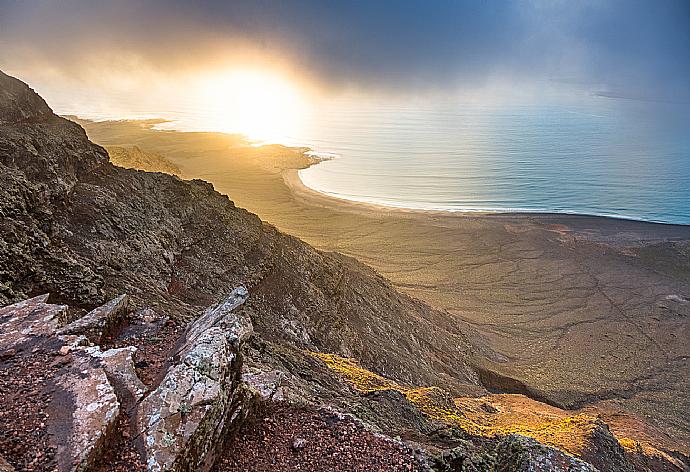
582 311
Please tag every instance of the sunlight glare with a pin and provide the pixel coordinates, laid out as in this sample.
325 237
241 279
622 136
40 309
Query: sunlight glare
263 106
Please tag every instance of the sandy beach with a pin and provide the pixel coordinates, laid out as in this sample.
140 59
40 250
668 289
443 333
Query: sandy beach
581 310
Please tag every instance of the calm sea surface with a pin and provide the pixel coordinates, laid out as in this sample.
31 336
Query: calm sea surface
589 154
597 156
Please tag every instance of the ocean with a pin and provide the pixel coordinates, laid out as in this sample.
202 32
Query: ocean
595 155
583 153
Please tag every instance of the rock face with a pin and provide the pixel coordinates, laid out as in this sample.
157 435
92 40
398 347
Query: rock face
520 454
184 419
83 387
100 322
80 395
27 322
514 453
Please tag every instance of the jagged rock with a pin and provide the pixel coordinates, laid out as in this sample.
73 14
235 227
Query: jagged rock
183 420
26 320
81 396
604 452
517 453
87 411
98 324
118 364
465 457
19 103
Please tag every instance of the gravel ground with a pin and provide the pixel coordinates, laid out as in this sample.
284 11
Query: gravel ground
292 439
24 416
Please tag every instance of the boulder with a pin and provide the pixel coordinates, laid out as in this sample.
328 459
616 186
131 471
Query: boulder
99 323
81 397
87 410
183 421
267 385
118 364
516 453
28 320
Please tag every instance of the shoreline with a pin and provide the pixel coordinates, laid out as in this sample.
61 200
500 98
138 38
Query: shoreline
301 190
295 182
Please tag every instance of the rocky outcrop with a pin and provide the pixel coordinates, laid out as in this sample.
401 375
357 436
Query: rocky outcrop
28 322
19 103
180 424
81 401
83 388
184 420
514 453
99 323
521 454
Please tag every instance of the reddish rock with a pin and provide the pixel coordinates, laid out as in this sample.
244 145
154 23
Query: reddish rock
99 324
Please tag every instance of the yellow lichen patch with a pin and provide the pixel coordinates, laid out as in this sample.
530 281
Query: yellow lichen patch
362 379
630 445
489 416
569 434
502 414
638 447
432 401
435 403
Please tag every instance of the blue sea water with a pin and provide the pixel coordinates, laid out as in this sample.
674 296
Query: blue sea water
590 155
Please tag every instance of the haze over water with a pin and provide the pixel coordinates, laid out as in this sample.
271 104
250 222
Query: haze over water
530 134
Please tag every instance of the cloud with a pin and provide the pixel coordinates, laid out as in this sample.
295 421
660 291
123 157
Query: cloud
632 46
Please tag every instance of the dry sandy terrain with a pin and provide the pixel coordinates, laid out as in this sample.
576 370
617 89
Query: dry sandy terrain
583 310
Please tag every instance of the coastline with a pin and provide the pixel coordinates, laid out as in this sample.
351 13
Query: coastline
577 307
313 197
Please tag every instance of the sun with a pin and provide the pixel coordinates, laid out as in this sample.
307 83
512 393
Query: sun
263 106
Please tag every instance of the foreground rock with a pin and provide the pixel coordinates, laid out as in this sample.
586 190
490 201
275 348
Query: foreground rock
101 322
85 411
69 387
86 391
184 420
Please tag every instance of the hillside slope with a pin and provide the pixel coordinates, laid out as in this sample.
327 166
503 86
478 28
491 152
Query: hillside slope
83 229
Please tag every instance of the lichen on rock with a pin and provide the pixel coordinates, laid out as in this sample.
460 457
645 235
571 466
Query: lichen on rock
182 421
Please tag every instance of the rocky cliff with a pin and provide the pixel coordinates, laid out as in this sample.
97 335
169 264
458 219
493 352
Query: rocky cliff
315 333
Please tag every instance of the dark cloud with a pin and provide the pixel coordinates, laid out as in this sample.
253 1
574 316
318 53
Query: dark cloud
631 46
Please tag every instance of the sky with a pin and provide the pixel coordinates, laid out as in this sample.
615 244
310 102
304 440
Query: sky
631 48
